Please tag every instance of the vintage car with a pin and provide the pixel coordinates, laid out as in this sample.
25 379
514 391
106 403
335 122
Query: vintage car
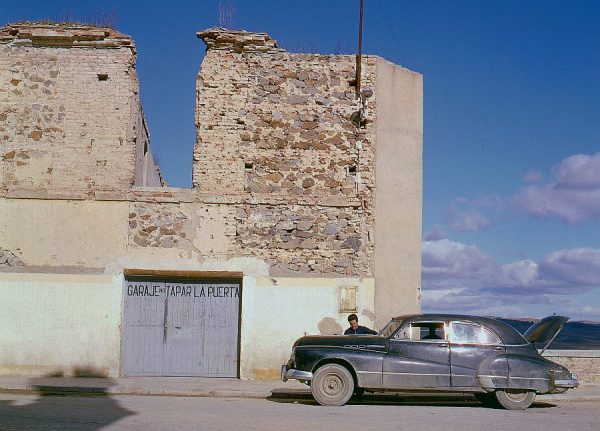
434 353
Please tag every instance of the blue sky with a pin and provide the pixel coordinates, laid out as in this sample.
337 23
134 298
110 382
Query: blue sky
511 205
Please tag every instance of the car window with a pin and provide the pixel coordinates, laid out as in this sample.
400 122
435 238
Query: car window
426 331
461 332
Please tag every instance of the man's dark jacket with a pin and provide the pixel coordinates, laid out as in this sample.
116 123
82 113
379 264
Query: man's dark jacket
361 330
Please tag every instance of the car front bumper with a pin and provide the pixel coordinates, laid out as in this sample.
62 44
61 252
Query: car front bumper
293 374
566 383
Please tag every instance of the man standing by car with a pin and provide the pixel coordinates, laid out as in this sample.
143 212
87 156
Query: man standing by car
356 329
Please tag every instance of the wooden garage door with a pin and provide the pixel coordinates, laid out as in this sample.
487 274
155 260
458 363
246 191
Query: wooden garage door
180 328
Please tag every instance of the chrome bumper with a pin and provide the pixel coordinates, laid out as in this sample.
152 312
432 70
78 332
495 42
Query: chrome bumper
291 373
566 383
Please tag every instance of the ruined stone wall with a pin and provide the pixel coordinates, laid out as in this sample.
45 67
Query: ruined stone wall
283 128
319 239
69 108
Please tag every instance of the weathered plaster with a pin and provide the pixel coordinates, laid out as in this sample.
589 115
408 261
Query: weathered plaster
60 323
277 311
398 194
63 233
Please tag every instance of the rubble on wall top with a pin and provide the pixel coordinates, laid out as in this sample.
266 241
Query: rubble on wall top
64 35
238 40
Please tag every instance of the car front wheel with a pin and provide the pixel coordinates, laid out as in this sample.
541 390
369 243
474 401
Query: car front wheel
514 399
332 385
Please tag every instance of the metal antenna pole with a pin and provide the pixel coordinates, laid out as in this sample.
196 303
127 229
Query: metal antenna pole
359 56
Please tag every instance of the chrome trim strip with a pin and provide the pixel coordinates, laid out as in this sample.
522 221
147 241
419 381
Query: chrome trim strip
347 346
414 374
513 377
368 372
530 378
462 343
431 340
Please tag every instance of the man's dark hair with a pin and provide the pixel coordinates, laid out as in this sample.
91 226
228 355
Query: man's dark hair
352 317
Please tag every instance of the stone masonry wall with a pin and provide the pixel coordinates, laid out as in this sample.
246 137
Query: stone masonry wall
585 363
69 108
284 129
320 239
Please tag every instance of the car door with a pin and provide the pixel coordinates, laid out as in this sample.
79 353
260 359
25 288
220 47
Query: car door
472 345
416 358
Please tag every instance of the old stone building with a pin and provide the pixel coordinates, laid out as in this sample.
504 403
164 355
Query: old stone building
305 206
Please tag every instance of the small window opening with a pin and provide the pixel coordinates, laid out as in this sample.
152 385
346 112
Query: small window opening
352 169
248 166
102 76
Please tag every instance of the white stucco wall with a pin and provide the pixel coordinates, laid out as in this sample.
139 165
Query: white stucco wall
398 191
64 232
277 311
58 317
60 324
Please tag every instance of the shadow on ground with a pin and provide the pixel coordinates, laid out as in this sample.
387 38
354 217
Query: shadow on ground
62 408
430 400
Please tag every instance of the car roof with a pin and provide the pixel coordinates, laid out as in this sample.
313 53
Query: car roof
507 333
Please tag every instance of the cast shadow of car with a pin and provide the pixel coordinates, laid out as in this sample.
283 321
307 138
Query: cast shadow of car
300 396
62 407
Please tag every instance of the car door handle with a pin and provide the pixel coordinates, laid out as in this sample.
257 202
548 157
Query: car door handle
497 348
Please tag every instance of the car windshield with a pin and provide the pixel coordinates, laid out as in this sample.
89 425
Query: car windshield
390 328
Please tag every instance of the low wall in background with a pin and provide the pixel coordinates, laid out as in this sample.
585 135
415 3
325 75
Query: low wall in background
586 363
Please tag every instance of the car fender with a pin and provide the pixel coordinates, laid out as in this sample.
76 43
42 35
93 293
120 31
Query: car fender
529 372
493 373
364 364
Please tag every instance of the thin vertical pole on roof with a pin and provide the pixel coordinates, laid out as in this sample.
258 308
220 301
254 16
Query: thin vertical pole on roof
359 56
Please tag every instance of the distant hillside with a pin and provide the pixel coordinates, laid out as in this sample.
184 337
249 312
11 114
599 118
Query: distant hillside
574 335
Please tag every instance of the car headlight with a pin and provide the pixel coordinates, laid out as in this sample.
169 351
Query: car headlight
574 376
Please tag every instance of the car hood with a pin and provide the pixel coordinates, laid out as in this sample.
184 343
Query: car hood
545 331
360 341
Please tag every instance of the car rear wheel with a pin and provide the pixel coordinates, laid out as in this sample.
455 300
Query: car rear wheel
332 385
514 399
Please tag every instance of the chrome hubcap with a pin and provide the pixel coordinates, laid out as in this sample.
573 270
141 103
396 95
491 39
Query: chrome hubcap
517 395
333 384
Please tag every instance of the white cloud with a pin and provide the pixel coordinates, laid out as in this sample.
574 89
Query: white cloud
573 195
579 266
461 278
533 176
468 301
579 171
450 259
436 233
491 202
462 217
518 274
